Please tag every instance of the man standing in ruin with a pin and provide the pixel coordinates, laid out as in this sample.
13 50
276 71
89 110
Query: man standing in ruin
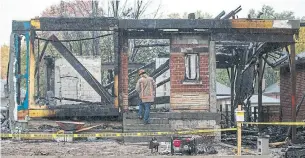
146 88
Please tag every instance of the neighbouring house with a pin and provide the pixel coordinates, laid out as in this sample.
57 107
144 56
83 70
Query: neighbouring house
272 91
270 108
285 87
270 104
223 93
163 90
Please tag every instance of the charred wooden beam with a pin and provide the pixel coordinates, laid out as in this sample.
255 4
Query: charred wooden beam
110 65
260 91
41 56
232 13
76 100
110 24
293 92
152 45
220 15
80 69
163 82
252 37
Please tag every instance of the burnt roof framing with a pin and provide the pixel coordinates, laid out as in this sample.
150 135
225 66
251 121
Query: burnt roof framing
109 24
220 29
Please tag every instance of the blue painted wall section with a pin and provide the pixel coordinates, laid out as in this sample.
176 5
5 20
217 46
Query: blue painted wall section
25 103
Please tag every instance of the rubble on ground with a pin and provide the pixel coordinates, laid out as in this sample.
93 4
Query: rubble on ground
4 120
276 133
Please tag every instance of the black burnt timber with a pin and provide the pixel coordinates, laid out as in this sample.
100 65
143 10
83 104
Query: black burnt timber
293 92
81 69
110 24
174 24
149 65
41 56
77 24
72 99
252 37
260 92
157 34
186 24
111 65
161 67
148 34
232 13
220 15
152 45
163 82
86 111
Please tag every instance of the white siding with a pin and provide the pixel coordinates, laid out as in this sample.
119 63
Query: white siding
69 84
163 90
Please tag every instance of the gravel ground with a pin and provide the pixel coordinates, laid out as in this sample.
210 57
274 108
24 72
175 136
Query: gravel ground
100 148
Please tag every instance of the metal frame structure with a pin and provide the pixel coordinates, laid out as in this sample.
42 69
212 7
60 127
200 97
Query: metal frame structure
278 33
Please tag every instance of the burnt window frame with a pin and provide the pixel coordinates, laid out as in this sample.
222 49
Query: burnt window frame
197 77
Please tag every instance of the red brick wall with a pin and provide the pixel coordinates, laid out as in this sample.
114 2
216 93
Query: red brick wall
124 79
177 71
271 113
186 96
285 87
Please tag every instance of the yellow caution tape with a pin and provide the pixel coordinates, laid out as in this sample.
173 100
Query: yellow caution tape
277 123
109 135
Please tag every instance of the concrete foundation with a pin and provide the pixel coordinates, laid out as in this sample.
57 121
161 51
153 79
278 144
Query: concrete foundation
171 121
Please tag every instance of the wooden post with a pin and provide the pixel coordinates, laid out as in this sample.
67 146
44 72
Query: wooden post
232 94
293 91
239 134
220 110
255 114
260 93
227 115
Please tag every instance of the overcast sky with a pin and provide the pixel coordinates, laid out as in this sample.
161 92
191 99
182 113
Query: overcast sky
27 9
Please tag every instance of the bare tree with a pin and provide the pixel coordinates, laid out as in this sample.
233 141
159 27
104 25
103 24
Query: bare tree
84 8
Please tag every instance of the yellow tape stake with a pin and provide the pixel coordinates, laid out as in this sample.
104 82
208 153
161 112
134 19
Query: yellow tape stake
277 123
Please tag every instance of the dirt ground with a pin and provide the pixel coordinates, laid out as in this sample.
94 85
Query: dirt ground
104 148
100 148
